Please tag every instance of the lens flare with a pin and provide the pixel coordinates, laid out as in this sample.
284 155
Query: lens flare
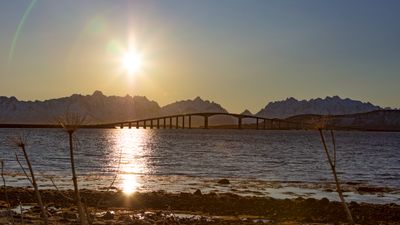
18 31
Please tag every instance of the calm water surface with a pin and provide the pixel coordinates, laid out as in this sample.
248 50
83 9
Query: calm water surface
161 159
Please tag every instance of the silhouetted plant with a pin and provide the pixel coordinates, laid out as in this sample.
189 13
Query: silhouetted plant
71 122
5 193
332 163
20 143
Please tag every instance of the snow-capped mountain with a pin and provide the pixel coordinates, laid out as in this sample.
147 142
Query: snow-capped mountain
247 120
197 105
328 106
191 106
247 113
97 108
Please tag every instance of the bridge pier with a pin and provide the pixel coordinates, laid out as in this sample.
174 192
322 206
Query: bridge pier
137 124
144 124
183 122
205 122
264 125
276 124
151 124
176 122
190 122
256 123
130 125
170 123
122 126
158 123
164 123
239 122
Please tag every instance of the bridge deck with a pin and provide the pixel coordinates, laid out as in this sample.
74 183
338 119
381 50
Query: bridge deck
180 121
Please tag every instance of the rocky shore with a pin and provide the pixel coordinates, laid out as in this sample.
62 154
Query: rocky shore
188 208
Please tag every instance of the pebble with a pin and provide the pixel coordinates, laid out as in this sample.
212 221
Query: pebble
197 192
108 216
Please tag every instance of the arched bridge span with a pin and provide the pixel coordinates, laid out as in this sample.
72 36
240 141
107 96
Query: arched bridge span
184 121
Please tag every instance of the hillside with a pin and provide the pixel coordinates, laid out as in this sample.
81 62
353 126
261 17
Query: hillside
388 120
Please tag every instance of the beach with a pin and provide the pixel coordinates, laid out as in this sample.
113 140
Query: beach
117 207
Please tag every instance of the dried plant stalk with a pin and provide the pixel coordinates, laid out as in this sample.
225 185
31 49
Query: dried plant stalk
21 144
70 122
332 163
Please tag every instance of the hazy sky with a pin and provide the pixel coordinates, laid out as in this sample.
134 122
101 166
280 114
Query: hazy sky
241 54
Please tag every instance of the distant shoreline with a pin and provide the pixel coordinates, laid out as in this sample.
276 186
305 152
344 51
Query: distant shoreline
230 127
53 126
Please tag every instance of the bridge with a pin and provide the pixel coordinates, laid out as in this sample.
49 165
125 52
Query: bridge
184 121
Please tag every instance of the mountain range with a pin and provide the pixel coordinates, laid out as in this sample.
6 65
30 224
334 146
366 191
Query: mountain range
328 106
99 108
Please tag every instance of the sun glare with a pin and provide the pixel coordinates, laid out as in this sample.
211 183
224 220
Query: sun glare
132 62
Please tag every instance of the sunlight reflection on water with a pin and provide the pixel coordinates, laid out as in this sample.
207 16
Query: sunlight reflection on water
130 146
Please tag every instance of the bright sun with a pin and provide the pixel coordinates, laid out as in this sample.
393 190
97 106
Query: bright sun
132 62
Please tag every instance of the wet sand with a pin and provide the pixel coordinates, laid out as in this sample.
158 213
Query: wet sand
191 208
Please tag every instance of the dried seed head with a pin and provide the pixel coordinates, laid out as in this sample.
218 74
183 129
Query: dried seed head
18 141
71 121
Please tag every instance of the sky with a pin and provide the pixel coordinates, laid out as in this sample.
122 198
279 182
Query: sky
241 54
